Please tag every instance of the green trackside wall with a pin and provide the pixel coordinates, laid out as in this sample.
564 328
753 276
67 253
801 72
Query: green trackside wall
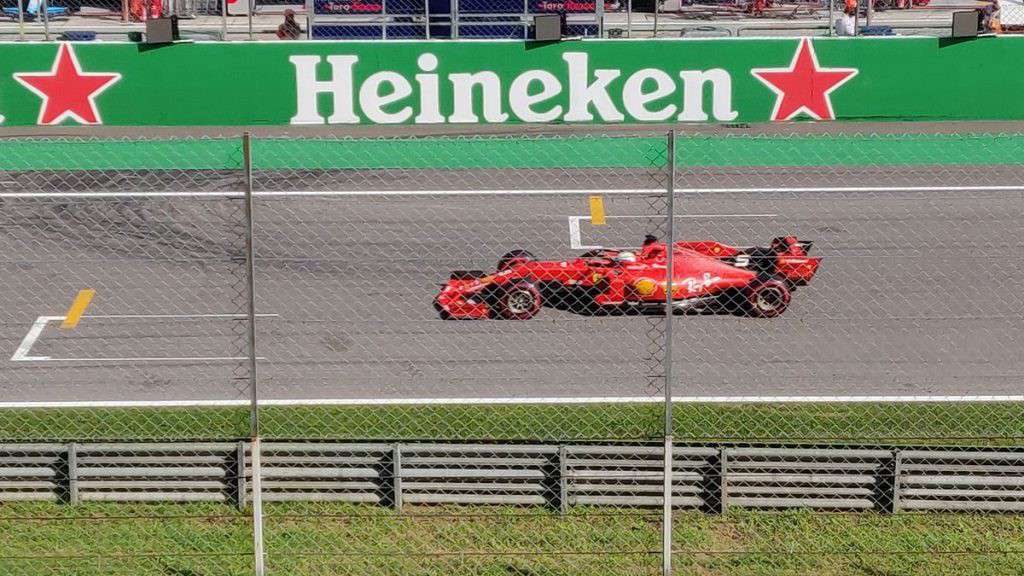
256 83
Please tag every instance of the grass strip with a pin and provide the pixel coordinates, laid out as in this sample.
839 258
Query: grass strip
928 423
306 539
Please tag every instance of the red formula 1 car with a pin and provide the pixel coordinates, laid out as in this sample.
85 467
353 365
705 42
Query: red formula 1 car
756 281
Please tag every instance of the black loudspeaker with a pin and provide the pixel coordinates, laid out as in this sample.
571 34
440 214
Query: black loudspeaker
162 30
966 23
547 27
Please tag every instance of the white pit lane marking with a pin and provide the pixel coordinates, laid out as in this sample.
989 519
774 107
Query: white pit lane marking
576 241
21 354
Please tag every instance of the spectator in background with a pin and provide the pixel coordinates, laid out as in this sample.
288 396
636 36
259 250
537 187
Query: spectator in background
846 24
990 18
139 10
289 29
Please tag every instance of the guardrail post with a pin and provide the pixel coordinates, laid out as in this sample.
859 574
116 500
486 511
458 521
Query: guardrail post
563 479
240 485
723 480
396 477
72 464
897 472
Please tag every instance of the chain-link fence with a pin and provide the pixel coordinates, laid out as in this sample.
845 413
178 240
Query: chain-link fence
462 354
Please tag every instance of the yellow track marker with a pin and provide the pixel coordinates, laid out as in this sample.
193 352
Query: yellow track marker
597 211
78 308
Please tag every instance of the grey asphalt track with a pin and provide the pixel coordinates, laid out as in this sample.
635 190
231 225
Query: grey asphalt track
919 293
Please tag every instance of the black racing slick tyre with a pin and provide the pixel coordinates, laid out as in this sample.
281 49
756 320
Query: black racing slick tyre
767 298
520 301
515 257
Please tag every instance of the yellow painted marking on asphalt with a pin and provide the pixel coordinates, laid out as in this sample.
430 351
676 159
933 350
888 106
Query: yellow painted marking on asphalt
597 211
78 308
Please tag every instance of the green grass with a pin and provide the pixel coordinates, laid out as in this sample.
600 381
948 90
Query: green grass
314 539
977 423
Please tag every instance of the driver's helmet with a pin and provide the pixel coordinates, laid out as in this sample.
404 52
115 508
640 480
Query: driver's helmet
625 256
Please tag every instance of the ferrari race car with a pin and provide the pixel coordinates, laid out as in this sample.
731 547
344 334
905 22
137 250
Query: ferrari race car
755 281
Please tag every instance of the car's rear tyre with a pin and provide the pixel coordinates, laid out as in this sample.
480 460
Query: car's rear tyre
767 298
513 258
520 301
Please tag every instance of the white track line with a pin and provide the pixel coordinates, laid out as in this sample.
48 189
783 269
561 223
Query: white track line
178 316
22 352
509 192
518 401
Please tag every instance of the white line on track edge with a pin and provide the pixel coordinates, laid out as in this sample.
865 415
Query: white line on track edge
515 401
509 192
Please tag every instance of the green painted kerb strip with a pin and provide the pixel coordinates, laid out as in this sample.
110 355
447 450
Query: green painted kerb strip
511 153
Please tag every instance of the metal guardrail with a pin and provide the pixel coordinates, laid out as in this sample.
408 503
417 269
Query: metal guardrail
710 478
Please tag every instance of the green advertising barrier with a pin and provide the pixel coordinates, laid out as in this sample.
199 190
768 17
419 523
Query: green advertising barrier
451 82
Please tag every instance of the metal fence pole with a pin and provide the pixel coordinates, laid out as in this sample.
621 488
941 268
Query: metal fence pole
310 18
831 18
223 19
46 19
254 422
629 18
21 20
666 520
599 16
657 8
252 8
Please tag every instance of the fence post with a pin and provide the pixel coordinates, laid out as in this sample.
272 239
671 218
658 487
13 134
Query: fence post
657 8
629 18
599 16
310 17
831 18
72 463
254 414
223 20
252 8
45 7
667 361
21 20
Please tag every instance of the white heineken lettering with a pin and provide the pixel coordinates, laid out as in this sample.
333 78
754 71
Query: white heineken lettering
576 93
307 88
372 100
693 95
583 93
430 92
636 99
521 101
490 88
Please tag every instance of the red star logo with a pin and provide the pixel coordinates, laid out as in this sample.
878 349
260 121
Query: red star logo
67 92
805 86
